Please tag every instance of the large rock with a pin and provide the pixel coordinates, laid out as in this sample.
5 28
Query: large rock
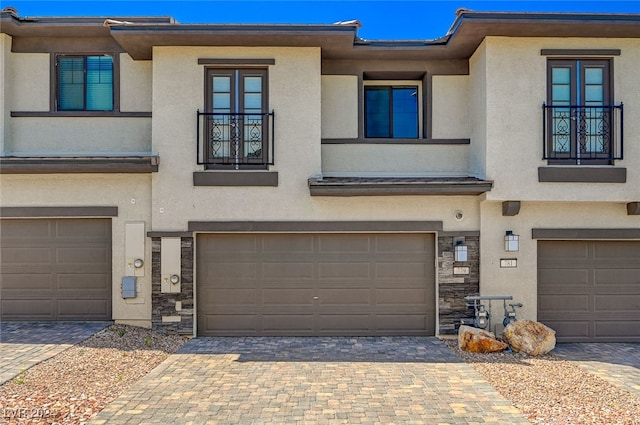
477 340
529 337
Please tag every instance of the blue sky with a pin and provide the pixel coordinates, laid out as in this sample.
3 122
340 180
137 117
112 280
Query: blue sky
417 19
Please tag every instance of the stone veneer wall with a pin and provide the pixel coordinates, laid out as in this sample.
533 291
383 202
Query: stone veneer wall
164 305
453 288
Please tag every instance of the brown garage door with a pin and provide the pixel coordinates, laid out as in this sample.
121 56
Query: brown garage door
56 269
590 290
316 284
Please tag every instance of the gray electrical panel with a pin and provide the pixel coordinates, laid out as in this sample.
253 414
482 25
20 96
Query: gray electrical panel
128 287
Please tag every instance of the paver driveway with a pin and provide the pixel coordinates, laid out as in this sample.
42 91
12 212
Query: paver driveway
312 380
24 344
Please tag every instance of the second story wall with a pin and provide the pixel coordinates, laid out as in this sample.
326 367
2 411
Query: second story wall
517 71
293 94
440 146
478 112
5 47
35 125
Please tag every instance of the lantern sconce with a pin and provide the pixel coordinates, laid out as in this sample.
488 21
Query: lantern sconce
460 250
511 242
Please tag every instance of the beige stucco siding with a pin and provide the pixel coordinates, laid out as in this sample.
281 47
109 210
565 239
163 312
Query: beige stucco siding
515 90
130 193
65 135
450 107
521 282
339 107
30 81
135 84
378 160
478 112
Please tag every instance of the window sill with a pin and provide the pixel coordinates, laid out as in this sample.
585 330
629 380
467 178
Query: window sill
390 141
235 178
47 114
577 174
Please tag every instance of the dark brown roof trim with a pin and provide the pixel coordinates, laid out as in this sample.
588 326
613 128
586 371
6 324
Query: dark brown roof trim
315 226
510 208
34 212
74 165
168 234
569 234
580 52
455 186
101 114
233 62
633 208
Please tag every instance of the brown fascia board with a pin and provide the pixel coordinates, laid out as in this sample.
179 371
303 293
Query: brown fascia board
138 40
71 26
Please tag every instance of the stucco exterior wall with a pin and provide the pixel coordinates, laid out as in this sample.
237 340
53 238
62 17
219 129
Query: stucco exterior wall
478 112
514 118
521 282
135 84
65 135
130 193
30 81
378 160
339 106
450 107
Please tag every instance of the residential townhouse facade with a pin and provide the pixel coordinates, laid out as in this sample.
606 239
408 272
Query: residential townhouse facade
299 180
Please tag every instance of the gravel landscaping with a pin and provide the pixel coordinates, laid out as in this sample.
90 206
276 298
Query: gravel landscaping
78 383
549 390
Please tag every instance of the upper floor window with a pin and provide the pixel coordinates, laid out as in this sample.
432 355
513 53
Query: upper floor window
85 83
580 114
392 109
236 118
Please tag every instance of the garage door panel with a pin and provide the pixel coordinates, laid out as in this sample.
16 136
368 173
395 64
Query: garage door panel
39 309
620 303
94 256
287 244
291 296
567 250
344 270
16 229
401 244
233 296
401 271
288 270
618 329
618 276
231 271
300 324
26 256
72 309
332 279
573 303
403 322
230 322
617 250
56 269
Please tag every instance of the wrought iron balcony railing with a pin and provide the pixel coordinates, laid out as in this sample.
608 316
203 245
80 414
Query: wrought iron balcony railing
582 134
235 139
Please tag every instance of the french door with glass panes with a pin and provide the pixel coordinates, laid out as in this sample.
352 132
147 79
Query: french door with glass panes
236 120
579 111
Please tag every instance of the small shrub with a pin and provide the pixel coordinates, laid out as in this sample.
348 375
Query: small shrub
148 341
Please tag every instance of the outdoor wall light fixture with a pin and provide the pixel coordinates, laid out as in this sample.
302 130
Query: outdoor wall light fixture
511 242
460 251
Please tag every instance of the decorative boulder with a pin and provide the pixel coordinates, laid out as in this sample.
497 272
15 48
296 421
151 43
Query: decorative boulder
529 337
477 340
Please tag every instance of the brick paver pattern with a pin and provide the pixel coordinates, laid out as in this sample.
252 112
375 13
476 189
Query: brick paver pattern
25 344
617 363
312 380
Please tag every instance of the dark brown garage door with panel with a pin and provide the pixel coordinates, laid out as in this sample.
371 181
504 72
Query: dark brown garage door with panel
55 269
315 284
590 290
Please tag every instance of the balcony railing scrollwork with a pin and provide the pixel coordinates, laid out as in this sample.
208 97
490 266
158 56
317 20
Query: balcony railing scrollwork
582 134
235 139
